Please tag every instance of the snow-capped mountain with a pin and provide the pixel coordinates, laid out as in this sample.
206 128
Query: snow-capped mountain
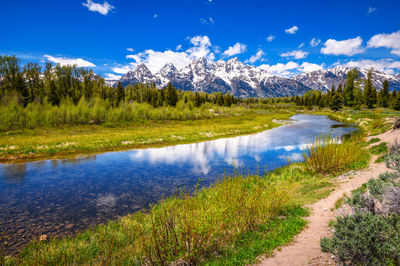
245 80
324 79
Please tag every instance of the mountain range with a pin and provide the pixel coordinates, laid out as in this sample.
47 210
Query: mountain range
244 80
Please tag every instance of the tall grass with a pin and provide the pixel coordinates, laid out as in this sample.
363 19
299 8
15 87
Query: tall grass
186 229
328 155
97 111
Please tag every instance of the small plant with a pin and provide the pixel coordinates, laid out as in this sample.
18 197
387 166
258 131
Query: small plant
379 149
374 140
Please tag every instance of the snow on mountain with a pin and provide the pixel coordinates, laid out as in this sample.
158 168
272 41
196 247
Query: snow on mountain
245 80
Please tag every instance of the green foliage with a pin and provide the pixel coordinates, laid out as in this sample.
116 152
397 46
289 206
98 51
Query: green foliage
373 140
365 239
326 155
379 149
188 228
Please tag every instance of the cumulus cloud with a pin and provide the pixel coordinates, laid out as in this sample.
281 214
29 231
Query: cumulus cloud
315 42
111 76
122 69
238 48
371 10
178 47
155 60
201 48
291 68
296 54
254 58
386 65
391 41
309 67
281 69
270 38
63 61
346 47
103 9
292 30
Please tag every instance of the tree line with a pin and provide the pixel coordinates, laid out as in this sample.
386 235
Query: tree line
352 95
52 84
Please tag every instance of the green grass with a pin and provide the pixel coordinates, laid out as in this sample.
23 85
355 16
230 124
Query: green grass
327 156
380 159
277 232
373 140
379 149
67 141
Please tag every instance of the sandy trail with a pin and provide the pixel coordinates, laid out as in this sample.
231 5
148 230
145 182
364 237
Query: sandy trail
305 249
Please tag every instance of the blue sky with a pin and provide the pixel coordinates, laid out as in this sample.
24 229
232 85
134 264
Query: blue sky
112 37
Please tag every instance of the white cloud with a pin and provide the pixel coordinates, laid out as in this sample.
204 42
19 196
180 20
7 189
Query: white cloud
121 69
309 67
79 62
385 65
280 69
238 48
201 48
315 42
130 49
346 47
96 7
270 38
254 58
155 60
296 54
178 47
291 68
371 10
301 45
292 30
110 76
391 41
155 16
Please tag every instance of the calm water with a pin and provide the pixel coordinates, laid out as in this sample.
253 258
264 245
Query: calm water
62 196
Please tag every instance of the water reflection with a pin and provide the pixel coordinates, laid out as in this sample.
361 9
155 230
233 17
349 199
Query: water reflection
62 196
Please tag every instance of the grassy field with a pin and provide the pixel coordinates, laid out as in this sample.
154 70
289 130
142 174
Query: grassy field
66 141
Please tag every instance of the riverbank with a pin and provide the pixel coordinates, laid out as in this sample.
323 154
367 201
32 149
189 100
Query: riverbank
266 223
27 145
305 249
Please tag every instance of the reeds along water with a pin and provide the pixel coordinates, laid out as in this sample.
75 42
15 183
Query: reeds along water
328 155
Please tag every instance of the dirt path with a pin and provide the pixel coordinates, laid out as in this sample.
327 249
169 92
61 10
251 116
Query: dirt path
305 249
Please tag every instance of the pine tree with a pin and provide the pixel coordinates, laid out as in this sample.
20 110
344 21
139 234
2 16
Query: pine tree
396 105
336 102
171 95
384 95
349 96
369 91
120 94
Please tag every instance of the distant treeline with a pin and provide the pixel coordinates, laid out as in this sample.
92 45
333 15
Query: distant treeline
31 84
354 93
67 95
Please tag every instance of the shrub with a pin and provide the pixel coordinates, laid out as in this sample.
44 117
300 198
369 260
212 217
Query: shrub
327 155
396 123
365 239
